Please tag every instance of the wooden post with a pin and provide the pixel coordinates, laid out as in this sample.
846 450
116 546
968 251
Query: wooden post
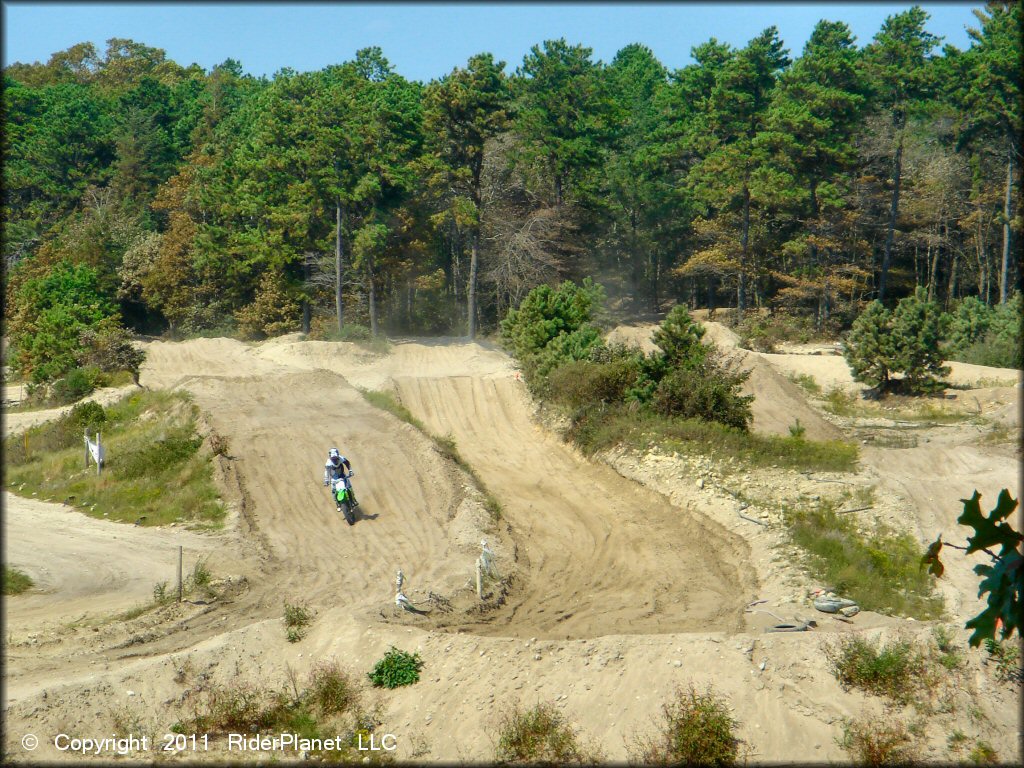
479 580
99 463
86 436
180 556
26 443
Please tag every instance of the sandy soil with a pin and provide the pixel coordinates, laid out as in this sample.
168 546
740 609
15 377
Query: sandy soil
625 577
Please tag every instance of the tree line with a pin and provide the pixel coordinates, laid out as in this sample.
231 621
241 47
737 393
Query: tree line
170 198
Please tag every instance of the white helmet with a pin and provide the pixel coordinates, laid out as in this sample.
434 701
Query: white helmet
334 456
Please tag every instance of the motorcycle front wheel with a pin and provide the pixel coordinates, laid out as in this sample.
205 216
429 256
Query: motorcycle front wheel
347 511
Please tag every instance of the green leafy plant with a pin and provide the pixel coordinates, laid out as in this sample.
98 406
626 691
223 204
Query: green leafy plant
697 729
1003 579
895 670
797 429
1006 657
983 754
538 735
397 668
878 741
297 617
160 593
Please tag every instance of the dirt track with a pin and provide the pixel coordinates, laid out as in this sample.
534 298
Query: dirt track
614 566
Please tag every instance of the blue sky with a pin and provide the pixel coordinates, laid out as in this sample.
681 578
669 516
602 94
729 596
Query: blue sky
425 41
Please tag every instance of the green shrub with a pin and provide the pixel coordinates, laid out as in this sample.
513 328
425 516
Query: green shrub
897 670
564 348
538 735
985 335
917 334
551 327
76 384
983 754
874 741
397 668
583 382
697 730
1006 657
708 391
331 689
763 332
16 582
297 618
108 348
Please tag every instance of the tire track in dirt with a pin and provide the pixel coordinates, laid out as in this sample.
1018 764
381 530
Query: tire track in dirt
604 554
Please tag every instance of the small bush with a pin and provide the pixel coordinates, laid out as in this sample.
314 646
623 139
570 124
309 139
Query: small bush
16 582
983 754
797 430
200 578
397 668
896 671
878 741
538 735
160 594
76 384
764 333
1006 657
840 402
806 382
331 689
583 382
297 618
697 730
710 392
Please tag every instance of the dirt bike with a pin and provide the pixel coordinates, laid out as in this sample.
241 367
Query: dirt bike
341 490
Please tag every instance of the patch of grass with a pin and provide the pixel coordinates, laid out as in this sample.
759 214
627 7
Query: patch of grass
396 668
880 740
154 472
881 572
444 445
297 617
806 382
597 429
998 434
332 690
1005 655
897 670
539 735
697 729
388 402
983 754
840 402
16 582
956 741
950 656
327 713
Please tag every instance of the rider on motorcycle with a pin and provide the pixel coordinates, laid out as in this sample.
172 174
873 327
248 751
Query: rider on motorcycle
338 467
